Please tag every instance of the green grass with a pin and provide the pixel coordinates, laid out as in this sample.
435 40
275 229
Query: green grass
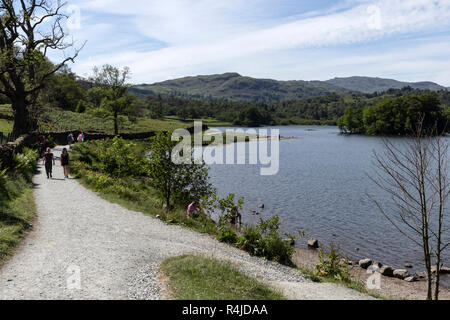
5 126
352 284
165 124
199 278
16 217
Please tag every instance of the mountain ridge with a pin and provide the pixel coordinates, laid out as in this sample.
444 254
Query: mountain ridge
233 86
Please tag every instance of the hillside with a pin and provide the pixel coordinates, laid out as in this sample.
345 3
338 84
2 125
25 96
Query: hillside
370 85
233 86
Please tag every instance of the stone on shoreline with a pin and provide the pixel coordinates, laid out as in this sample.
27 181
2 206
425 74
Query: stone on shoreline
377 265
408 265
411 279
290 241
313 243
365 263
421 275
401 274
387 271
443 270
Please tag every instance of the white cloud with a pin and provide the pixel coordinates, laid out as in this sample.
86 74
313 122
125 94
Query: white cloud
200 35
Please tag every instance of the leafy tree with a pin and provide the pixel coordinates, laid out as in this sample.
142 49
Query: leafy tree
96 95
352 121
114 83
29 30
395 116
63 91
176 183
156 110
183 113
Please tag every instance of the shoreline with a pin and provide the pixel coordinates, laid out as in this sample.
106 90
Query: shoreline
391 288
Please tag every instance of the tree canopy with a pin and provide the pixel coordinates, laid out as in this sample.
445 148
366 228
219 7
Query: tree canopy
395 116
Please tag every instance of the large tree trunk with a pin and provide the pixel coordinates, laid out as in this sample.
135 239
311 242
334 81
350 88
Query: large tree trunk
21 117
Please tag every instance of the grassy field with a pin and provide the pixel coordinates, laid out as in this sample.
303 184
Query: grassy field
199 278
59 120
16 217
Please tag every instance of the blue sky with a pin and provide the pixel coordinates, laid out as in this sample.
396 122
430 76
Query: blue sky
279 39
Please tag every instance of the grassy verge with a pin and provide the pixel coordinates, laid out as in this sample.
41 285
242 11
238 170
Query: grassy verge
16 215
198 278
352 284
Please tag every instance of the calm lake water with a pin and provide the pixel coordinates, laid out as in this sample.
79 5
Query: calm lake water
320 189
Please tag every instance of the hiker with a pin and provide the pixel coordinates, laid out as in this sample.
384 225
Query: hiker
49 161
42 144
65 162
80 137
235 216
192 209
70 139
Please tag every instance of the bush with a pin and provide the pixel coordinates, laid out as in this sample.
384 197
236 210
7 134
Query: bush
264 240
176 184
26 162
3 190
118 159
332 264
227 235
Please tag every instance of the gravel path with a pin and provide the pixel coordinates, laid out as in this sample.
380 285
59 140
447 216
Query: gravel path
83 247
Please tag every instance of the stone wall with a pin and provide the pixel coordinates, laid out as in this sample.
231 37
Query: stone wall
61 137
8 151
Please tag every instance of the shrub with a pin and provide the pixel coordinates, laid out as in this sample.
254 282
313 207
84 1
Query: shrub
227 235
26 162
176 183
3 190
265 240
332 264
118 159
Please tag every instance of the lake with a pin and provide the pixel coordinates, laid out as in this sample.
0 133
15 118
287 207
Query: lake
321 189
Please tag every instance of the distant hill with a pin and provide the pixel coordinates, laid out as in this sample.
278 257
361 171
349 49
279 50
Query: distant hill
370 85
233 86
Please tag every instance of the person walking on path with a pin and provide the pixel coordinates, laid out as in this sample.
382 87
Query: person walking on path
70 139
65 162
81 137
49 161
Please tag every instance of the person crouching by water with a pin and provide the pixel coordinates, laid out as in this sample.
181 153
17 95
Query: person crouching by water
49 161
192 209
65 162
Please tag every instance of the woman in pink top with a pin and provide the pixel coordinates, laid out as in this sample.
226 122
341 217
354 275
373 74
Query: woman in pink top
192 209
